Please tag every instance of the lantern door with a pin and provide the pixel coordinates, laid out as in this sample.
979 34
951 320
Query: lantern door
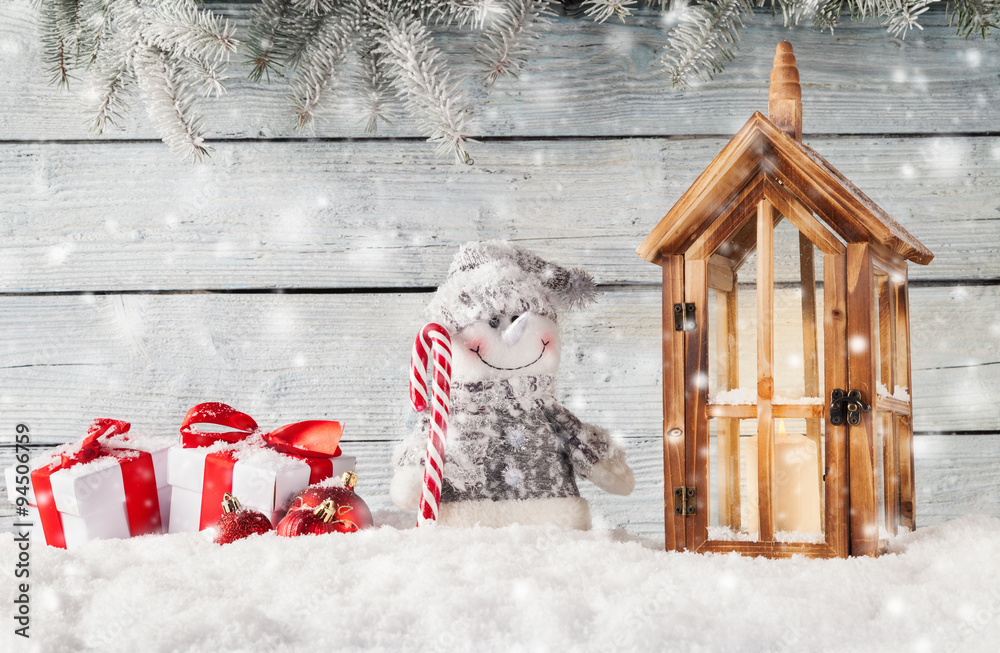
880 427
764 345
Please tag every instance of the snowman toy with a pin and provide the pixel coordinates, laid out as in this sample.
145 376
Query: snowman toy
512 451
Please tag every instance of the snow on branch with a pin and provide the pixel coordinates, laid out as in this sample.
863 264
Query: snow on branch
601 10
372 83
170 103
705 38
425 86
178 26
506 40
975 16
386 49
318 62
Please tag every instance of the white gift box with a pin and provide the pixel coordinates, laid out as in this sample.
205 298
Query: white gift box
107 524
263 479
185 511
90 497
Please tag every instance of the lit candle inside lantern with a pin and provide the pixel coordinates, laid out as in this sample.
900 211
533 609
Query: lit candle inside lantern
796 483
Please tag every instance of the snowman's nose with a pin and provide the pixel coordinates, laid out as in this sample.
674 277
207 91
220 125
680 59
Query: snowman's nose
512 334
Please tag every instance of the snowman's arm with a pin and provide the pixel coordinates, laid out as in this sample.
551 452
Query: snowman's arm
593 452
407 479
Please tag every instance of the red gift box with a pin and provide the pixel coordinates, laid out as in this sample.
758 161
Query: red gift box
264 470
82 494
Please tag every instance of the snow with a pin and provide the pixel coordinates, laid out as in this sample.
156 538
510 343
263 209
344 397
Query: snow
748 397
900 393
735 397
138 441
727 534
782 400
396 588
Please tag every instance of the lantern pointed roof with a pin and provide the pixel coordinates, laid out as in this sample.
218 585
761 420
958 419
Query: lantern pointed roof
767 159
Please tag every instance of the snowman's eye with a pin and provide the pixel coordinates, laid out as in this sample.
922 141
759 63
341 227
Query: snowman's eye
494 321
513 318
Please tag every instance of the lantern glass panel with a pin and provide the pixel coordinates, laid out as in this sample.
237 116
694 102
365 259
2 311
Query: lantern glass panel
750 519
733 480
880 342
717 354
798 310
798 498
797 502
746 330
732 318
883 429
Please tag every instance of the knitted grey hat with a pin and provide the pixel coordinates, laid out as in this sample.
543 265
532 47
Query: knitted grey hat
496 277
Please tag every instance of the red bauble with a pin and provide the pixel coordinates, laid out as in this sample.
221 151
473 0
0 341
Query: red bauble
237 522
327 509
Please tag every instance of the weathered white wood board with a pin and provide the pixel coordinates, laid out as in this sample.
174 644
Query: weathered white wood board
588 79
285 358
381 214
954 476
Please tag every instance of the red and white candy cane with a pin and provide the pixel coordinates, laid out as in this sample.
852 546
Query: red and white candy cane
433 340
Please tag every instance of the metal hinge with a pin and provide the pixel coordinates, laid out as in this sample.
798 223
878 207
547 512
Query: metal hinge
684 317
684 501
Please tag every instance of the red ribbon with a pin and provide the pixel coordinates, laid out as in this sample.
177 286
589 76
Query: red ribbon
313 442
142 503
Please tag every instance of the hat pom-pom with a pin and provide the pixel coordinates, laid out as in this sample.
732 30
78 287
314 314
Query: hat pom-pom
580 290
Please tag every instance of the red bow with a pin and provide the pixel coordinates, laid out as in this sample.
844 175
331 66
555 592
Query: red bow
90 446
310 439
142 503
314 442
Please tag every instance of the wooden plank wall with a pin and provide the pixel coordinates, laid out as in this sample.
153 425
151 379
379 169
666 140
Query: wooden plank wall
287 274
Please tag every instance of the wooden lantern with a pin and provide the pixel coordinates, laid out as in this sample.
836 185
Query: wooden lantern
745 318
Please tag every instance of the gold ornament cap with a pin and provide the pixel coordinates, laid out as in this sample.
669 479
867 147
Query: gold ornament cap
230 503
326 510
350 479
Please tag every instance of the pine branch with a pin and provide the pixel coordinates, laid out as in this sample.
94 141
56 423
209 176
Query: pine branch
61 27
170 103
112 76
975 16
903 15
98 26
704 39
372 83
320 57
179 27
827 14
601 10
264 39
314 7
863 9
504 48
425 86
175 51
207 75
793 11
461 13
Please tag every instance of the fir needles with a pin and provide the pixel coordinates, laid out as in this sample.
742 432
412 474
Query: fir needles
384 56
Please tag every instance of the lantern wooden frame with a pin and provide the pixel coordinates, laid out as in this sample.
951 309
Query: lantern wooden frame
765 174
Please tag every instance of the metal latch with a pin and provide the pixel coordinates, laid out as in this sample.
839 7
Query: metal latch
684 501
684 317
851 402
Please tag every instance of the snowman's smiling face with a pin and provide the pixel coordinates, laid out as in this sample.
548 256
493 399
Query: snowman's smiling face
505 346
